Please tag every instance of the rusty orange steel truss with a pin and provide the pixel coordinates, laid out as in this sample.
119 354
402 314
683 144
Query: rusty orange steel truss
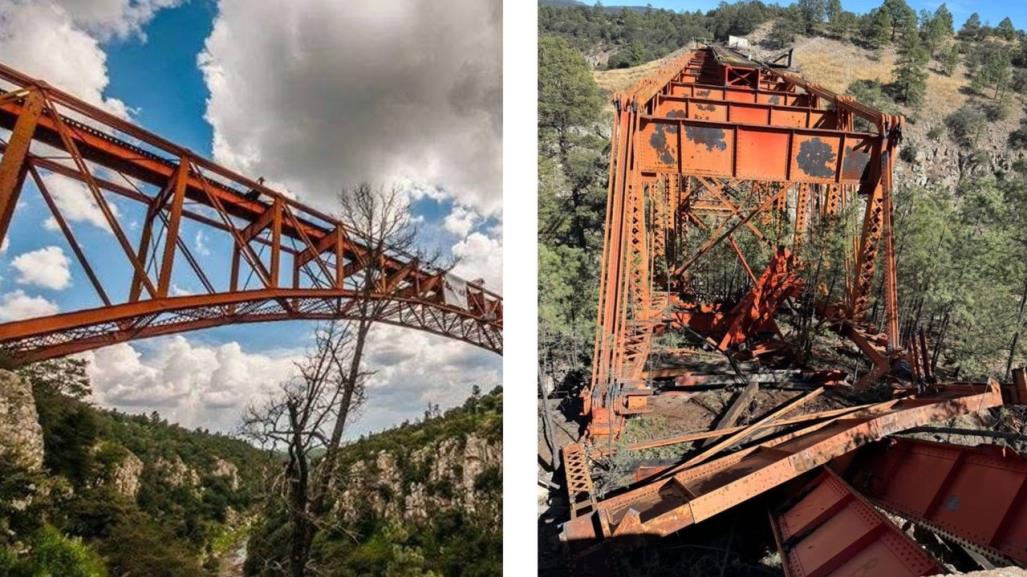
689 493
272 236
710 146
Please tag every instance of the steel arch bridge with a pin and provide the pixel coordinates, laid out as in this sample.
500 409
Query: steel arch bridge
288 261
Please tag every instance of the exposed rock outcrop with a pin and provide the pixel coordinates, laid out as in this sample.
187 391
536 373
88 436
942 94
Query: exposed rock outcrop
445 475
176 473
21 437
228 471
125 476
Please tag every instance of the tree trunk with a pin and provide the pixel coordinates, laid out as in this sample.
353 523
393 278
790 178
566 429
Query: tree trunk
1016 335
302 533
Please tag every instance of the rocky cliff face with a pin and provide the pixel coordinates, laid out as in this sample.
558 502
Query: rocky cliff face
938 161
452 473
21 437
124 476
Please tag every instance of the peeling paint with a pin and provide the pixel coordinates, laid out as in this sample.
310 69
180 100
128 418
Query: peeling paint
658 140
816 158
707 136
706 107
677 113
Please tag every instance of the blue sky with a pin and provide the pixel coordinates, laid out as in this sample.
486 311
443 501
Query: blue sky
147 58
991 12
159 77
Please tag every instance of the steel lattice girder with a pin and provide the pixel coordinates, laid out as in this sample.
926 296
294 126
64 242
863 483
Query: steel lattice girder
712 114
974 495
328 260
828 529
678 498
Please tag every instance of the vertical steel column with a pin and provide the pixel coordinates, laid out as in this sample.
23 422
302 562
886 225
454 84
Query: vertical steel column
13 165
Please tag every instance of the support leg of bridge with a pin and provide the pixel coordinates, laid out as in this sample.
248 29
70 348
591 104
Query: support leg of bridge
13 165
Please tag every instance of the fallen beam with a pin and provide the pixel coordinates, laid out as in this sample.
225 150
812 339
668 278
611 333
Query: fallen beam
752 429
738 406
683 497
580 493
830 530
976 496
689 437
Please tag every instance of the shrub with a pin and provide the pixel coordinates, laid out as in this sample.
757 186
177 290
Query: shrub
996 111
56 554
631 55
1018 137
782 34
908 152
966 125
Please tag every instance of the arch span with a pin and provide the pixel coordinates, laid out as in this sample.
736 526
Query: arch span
302 263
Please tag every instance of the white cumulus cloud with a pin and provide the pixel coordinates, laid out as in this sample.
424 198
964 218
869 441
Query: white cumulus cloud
481 257
321 94
16 305
46 267
196 385
413 369
201 385
43 39
460 220
106 19
75 203
200 243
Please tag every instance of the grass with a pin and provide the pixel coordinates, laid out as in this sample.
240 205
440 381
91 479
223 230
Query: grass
835 65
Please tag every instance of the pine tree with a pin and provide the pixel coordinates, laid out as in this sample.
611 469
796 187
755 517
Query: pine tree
812 13
880 28
1005 29
992 68
938 28
950 59
911 71
833 11
903 18
839 22
971 28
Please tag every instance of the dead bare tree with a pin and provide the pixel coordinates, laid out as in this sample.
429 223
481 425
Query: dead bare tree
309 414
379 221
299 419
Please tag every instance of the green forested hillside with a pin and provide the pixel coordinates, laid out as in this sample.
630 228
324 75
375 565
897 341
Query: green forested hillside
419 500
633 36
119 495
95 493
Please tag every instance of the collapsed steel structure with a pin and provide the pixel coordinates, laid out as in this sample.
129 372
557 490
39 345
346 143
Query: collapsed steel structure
707 144
713 146
323 262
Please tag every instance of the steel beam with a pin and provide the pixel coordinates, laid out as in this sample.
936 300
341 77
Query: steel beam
753 151
830 530
682 497
974 495
13 165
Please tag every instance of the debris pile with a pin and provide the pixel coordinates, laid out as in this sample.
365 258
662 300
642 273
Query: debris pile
743 360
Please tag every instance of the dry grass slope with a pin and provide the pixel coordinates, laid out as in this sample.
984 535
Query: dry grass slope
832 64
